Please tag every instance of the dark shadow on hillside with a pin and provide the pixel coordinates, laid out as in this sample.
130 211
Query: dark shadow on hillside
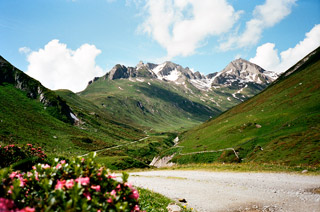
178 101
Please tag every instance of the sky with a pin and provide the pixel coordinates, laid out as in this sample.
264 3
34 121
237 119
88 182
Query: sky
66 43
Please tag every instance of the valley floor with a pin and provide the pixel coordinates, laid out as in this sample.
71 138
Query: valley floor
229 191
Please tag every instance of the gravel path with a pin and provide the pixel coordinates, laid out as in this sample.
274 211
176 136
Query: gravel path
229 191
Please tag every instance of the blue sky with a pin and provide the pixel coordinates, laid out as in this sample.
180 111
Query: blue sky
65 43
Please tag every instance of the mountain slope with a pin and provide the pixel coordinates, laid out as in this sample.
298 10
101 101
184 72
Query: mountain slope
31 113
168 97
281 124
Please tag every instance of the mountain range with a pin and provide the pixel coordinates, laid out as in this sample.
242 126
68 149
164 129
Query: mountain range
152 94
132 114
279 125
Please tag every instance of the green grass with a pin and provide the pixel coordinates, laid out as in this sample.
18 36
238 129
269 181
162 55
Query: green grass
247 167
288 113
25 120
159 107
154 202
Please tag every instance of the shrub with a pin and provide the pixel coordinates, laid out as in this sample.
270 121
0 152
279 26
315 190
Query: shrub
80 185
26 155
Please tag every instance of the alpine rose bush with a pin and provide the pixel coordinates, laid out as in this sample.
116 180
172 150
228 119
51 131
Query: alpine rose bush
78 185
12 153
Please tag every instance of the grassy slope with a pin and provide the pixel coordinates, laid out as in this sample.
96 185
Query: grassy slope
25 120
159 106
289 115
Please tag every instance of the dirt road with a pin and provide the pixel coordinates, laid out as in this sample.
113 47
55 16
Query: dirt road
229 191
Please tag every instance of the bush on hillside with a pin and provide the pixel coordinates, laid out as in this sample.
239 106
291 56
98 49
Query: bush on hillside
24 157
80 185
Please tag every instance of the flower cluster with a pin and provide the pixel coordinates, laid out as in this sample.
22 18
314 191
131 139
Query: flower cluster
75 185
11 154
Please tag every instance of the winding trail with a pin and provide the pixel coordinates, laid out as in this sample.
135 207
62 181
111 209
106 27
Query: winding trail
114 147
234 191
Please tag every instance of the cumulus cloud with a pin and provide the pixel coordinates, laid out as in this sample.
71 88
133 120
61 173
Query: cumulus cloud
58 67
268 58
181 26
264 16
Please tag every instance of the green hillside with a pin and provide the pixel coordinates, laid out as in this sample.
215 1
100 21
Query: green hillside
151 104
44 119
281 124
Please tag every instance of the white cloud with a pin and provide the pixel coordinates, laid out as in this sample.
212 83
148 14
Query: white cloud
24 50
264 16
268 58
180 26
58 67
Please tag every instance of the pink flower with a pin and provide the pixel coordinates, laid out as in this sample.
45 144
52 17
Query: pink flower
136 208
113 193
135 194
22 182
97 187
109 200
98 210
82 160
30 145
128 185
37 176
118 186
69 183
112 176
28 209
60 184
6 204
46 166
63 162
83 180
58 166
12 175
87 195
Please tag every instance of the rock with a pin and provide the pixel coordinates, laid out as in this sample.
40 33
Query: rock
172 207
304 171
183 200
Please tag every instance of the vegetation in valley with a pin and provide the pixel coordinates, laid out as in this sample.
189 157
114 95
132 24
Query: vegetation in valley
279 125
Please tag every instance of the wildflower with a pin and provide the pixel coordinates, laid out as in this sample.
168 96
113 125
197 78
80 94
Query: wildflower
22 182
136 208
63 162
112 176
46 166
128 185
109 200
83 180
12 175
30 145
60 184
58 166
69 183
135 194
97 187
87 195
118 187
6 204
28 209
113 193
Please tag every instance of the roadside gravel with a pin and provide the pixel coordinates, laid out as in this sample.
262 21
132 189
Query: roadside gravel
229 191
